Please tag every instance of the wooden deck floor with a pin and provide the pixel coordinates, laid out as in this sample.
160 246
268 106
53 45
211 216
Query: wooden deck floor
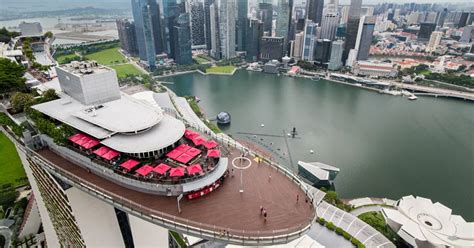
225 208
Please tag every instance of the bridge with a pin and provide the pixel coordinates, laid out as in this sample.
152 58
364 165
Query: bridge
436 92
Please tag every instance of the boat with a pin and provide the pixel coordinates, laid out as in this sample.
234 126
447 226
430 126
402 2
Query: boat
413 97
316 78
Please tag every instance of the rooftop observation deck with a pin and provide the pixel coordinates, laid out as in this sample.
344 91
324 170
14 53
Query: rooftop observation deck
225 214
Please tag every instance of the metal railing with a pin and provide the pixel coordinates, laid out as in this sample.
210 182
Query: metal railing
206 231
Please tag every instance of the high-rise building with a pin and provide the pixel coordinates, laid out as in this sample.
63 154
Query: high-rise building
283 21
332 5
146 15
195 8
271 48
322 51
441 17
463 19
214 28
298 45
345 14
329 25
431 17
265 13
467 34
351 58
352 27
435 39
242 13
127 37
207 26
365 36
314 10
174 10
227 23
182 39
254 36
335 62
309 41
414 18
426 29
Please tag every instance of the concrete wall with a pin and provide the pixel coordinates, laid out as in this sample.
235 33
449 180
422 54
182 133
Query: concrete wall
32 222
146 234
96 220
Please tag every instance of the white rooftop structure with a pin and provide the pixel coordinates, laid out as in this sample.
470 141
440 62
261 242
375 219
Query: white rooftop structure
31 29
422 223
128 125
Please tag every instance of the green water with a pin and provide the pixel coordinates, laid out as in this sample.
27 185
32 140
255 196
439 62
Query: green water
385 146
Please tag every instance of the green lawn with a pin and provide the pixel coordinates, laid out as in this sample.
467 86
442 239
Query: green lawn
62 58
201 59
10 164
107 57
126 70
221 69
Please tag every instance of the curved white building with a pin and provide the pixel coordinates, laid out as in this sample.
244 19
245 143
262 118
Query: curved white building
422 223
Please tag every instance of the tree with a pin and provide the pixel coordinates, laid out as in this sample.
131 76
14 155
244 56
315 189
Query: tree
20 101
11 76
49 95
48 34
331 197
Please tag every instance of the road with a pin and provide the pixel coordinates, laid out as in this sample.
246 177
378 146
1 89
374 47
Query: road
435 91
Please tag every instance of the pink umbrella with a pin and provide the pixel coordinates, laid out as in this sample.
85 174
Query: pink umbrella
193 152
129 164
76 137
194 169
110 155
184 158
161 169
210 144
83 140
101 151
198 140
144 170
189 134
174 154
177 172
213 153
183 148
90 144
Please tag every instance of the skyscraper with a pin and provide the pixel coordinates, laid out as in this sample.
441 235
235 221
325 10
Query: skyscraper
271 48
207 26
128 40
322 51
227 23
352 26
265 13
283 21
298 45
426 28
254 36
309 41
314 10
463 20
214 30
242 12
441 17
467 34
435 39
182 39
335 62
195 8
147 30
364 37
329 25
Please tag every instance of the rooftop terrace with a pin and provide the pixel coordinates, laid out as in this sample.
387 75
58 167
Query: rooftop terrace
225 209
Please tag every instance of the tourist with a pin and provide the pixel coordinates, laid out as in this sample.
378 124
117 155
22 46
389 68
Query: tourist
297 197
269 178
265 216
261 209
233 172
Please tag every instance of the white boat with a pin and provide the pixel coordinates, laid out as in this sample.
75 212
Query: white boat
413 97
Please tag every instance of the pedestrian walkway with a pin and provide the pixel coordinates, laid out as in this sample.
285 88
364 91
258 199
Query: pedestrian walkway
353 225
